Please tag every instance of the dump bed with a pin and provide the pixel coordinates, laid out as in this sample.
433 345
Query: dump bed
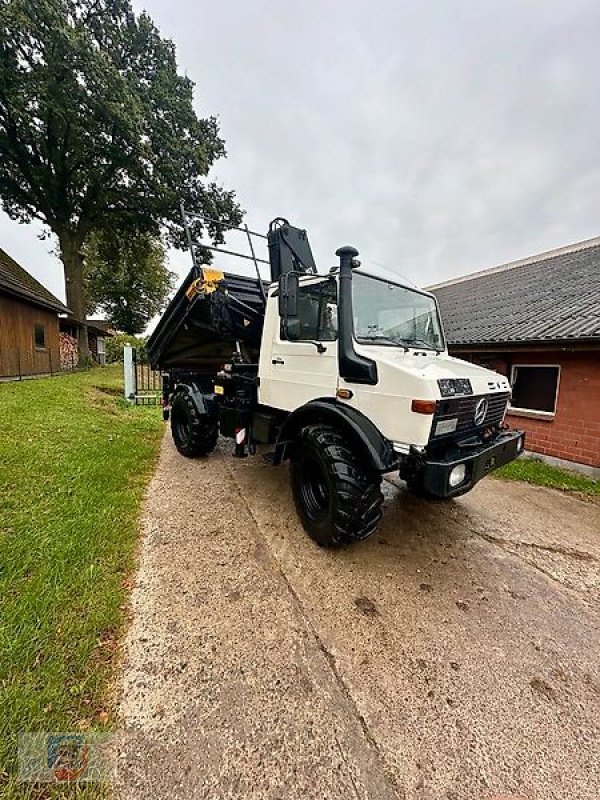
210 313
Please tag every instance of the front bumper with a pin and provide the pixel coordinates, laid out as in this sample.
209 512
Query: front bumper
478 460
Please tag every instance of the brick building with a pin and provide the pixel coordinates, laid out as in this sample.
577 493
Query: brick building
537 321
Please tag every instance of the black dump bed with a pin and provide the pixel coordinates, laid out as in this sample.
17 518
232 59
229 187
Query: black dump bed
209 314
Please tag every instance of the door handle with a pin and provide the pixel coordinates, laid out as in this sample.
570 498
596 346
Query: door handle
277 360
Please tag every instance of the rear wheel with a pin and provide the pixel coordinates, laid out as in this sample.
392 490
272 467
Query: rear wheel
194 434
337 499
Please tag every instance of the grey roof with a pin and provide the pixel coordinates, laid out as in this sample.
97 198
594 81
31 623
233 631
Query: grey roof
98 326
16 281
101 326
554 296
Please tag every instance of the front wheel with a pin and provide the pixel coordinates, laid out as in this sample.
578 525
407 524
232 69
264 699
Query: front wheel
194 434
337 499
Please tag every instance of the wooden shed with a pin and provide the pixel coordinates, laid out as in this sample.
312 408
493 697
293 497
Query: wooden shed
29 327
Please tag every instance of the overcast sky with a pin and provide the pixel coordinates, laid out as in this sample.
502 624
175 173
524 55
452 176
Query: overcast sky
438 138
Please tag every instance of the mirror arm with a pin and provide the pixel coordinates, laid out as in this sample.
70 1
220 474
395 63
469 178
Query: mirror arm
319 345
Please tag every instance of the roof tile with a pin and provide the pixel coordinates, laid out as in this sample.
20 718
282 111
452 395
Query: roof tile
551 298
17 281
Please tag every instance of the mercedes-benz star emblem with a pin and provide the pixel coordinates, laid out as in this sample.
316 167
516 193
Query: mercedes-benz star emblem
481 410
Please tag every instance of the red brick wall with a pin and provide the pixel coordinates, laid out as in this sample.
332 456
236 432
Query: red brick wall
574 431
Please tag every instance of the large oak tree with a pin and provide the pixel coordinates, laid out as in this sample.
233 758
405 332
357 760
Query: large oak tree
98 129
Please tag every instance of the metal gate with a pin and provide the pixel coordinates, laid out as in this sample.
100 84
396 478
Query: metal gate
148 383
143 385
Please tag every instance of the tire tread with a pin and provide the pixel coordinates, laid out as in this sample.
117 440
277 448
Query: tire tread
358 509
204 431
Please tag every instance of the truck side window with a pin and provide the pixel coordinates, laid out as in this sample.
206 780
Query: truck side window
317 312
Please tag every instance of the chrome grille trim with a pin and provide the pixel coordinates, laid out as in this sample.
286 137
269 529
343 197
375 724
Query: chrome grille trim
464 409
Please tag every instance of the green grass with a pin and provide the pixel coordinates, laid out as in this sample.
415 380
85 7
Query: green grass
537 472
74 462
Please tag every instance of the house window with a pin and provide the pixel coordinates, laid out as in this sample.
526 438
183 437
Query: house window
535 388
101 350
39 336
317 311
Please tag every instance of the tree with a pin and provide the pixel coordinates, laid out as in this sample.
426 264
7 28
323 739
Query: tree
127 278
116 344
97 129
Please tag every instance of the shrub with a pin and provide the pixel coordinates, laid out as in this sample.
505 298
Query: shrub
115 345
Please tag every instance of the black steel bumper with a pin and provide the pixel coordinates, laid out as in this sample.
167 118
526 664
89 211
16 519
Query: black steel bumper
478 460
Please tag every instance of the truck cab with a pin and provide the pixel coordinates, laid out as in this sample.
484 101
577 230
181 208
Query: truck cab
377 347
395 327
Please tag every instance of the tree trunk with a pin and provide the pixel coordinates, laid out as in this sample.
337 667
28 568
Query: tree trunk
72 258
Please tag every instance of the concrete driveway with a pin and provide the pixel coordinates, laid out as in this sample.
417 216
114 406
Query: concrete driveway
456 654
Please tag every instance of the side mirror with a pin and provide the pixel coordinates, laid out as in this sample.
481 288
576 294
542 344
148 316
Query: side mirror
288 294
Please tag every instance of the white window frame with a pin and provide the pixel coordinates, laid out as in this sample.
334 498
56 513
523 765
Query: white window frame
534 411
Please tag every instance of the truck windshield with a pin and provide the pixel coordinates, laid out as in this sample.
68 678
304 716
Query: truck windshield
395 315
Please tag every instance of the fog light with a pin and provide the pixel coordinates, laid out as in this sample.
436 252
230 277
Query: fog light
457 475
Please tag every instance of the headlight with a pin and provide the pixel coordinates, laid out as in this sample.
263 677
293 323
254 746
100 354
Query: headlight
457 475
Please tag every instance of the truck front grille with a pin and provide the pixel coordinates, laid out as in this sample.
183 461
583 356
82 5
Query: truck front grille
463 409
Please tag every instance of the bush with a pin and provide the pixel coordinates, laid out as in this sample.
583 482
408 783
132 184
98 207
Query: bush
115 345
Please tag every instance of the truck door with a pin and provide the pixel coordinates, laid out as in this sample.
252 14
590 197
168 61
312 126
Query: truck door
294 372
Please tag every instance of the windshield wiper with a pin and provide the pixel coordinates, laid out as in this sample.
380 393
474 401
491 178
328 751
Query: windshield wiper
422 343
378 338
385 339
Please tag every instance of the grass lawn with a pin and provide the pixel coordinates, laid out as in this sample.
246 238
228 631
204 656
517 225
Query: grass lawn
74 462
535 471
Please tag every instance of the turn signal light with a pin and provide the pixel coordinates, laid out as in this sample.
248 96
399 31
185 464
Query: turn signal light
423 406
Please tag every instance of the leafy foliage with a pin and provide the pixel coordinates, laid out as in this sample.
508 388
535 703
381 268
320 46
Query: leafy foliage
114 347
98 129
96 122
127 278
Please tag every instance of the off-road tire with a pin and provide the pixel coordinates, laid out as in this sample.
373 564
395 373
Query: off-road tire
194 434
337 499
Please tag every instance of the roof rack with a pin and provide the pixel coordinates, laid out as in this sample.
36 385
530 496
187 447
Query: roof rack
187 216
289 249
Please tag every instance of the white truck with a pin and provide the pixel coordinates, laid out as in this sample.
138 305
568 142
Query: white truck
346 374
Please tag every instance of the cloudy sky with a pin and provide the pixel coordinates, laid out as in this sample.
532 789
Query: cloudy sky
437 137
